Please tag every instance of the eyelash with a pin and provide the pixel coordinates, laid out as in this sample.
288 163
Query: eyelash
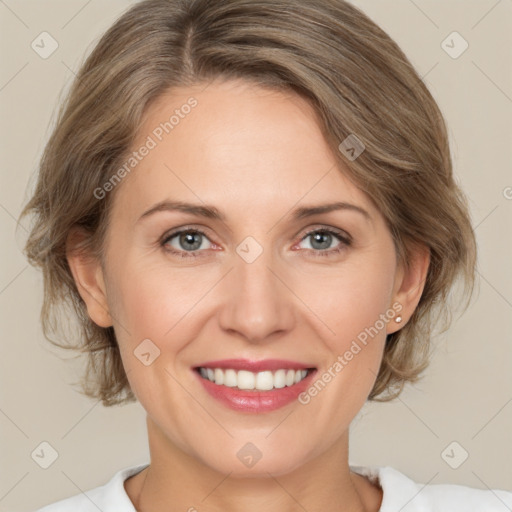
344 239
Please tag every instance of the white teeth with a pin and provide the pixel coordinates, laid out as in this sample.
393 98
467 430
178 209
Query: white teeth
246 380
290 377
262 381
230 378
219 376
280 379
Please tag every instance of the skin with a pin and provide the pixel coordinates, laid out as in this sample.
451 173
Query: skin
255 155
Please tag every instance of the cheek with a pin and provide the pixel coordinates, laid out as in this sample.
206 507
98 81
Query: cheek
353 298
359 309
153 306
159 303
355 305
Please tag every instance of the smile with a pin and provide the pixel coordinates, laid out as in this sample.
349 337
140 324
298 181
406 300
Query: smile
254 386
246 380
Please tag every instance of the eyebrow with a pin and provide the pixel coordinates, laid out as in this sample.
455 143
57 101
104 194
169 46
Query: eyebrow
211 212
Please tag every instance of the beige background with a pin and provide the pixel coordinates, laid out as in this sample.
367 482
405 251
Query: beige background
466 395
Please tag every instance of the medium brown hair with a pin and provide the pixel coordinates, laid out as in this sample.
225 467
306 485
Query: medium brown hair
355 77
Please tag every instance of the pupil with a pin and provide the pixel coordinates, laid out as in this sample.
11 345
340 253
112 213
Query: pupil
318 238
188 238
321 240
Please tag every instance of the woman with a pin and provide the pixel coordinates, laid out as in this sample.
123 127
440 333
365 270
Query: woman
252 209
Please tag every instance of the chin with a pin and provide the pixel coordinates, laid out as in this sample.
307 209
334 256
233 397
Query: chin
273 463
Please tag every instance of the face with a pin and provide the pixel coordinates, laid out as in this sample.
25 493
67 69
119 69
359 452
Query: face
251 274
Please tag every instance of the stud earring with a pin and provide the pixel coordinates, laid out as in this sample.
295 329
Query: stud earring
398 319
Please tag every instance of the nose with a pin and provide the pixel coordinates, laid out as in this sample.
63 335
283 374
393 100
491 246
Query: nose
258 303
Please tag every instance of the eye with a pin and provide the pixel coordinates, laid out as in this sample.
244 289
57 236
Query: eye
321 241
185 242
190 242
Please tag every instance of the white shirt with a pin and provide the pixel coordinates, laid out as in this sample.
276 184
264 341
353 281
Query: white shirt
400 493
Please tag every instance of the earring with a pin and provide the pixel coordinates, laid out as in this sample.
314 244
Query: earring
398 319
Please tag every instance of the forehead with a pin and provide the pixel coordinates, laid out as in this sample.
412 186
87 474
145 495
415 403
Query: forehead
236 145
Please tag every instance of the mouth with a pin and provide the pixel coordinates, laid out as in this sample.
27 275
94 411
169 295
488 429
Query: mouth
254 386
248 381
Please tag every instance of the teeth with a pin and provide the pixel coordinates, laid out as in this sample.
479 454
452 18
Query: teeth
264 380
280 379
261 381
230 378
219 376
290 377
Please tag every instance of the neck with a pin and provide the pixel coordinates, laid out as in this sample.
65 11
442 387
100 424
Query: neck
177 481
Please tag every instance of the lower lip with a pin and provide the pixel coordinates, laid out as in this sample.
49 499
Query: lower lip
255 401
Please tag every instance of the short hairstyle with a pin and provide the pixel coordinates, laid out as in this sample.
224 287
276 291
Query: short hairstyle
351 72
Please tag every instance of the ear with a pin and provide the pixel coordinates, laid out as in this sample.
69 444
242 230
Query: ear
88 275
409 284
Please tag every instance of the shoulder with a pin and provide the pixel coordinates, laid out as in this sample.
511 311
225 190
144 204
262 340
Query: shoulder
402 493
110 497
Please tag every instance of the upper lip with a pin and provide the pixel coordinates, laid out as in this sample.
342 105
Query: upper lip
256 366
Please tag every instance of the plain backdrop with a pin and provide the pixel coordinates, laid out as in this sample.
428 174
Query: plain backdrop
462 406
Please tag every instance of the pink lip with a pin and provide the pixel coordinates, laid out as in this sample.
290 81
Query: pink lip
255 401
256 366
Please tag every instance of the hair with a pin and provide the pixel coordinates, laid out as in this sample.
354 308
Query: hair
352 73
